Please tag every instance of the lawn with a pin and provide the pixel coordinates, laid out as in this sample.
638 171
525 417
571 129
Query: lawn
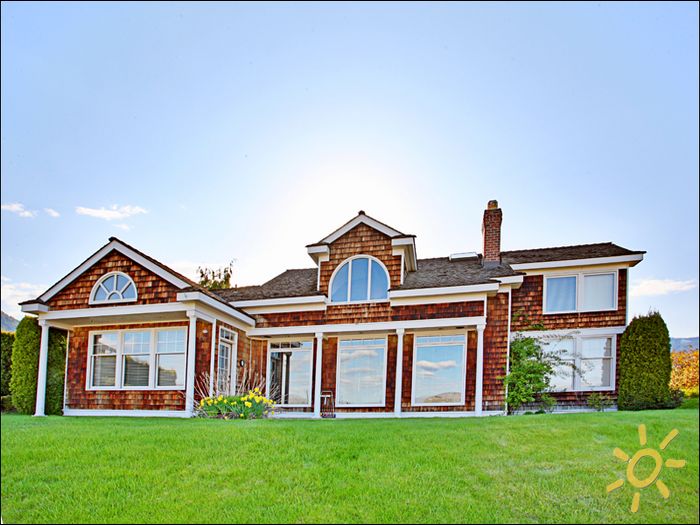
539 468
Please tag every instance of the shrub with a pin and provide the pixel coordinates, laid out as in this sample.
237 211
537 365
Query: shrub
6 404
684 372
25 362
250 406
599 401
645 365
6 362
528 379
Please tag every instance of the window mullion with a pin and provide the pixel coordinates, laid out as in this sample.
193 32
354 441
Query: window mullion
369 277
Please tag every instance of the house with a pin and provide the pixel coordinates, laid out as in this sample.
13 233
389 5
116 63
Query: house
369 330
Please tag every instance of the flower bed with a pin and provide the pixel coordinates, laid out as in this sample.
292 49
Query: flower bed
252 405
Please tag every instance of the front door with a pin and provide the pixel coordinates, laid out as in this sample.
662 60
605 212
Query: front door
224 383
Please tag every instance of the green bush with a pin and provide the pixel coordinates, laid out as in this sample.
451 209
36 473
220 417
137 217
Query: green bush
6 362
530 372
645 365
25 362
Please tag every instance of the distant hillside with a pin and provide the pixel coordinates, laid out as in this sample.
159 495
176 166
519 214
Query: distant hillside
8 323
683 343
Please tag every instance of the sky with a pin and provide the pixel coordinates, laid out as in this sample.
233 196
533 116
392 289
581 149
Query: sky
204 133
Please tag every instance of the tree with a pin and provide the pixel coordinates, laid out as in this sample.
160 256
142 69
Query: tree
645 364
6 362
25 364
215 279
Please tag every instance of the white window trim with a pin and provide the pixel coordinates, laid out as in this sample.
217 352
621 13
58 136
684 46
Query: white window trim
384 370
106 276
268 376
579 291
232 342
119 379
576 358
348 261
463 390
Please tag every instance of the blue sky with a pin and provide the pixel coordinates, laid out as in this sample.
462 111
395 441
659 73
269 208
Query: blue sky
210 132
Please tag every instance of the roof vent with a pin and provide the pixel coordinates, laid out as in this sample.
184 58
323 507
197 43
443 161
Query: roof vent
463 255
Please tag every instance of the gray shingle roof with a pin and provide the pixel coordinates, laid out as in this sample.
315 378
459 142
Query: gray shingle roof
441 271
566 253
291 283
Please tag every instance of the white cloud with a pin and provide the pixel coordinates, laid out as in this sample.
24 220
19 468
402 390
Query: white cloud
18 208
113 213
52 213
436 365
13 293
653 287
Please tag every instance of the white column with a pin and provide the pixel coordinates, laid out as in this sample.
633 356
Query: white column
479 393
43 365
191 350
398 393
211 361
317 387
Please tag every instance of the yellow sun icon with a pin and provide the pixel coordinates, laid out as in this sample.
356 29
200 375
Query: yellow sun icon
651 478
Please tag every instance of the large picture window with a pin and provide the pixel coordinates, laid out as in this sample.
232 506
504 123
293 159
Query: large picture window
361 373
290 371
586 363
360 279
439 370
582 292
137 359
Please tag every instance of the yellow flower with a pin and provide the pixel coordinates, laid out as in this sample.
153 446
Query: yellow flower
220 397
209 402
241 415
201 403
248 404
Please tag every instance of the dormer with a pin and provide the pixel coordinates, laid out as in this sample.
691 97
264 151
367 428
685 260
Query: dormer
373 244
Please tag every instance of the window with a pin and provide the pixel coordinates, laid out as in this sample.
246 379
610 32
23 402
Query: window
583 292
171 347
115 287
360 279
137 359
290 370
225 362
361 374
587 363
439 370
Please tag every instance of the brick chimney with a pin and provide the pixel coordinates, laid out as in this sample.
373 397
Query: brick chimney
491 231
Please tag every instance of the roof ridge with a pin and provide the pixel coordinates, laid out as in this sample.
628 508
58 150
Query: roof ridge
563 246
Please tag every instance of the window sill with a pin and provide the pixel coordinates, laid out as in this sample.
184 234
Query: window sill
134 389
580 312
462 403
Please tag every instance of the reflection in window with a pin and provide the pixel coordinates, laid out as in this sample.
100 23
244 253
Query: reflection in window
290 373
360 279
170 357
361 376
561 294
439 370
586 363
114 288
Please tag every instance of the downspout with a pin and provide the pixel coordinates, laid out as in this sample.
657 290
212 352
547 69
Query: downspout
65 373
510 291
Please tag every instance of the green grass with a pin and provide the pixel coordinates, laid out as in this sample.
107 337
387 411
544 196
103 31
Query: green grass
541 468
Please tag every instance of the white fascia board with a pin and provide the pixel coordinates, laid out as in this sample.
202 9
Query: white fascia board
216 305
584 332
34 308
513 279
318 249
369 327
447 290
436 299
361 219
311 299
406 244
107 311
631 259
102 252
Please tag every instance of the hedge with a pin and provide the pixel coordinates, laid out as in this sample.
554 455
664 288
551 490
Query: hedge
645 365
6 362
25 361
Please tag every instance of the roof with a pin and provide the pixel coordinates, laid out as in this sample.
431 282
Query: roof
441 271
566 253
361 218
291 283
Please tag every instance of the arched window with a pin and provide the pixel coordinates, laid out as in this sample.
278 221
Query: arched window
361 278
114 287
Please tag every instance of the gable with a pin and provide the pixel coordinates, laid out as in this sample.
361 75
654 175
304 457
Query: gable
150 287
360 240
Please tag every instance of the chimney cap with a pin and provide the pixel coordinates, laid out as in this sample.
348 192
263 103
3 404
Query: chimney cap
492 205
361 212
